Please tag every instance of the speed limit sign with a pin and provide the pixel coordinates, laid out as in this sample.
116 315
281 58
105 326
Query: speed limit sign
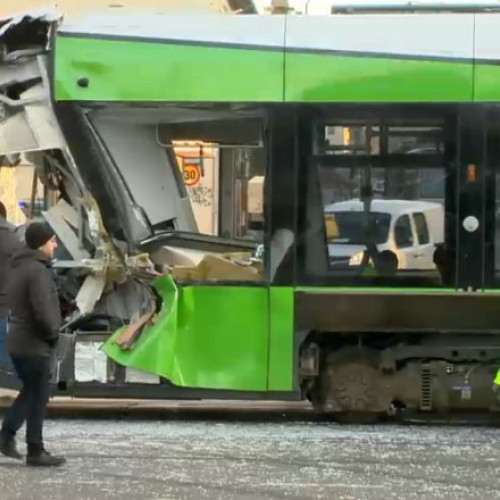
192 174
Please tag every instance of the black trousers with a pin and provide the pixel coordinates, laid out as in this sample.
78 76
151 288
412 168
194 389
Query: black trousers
31 403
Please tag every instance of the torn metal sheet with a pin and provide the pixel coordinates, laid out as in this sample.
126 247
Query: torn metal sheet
68 237
127 300
69 213
41 119
47 14
16 135
176 344
33 128
90 293
12 74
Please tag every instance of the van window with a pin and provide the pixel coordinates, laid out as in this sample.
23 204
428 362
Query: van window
351 227
422 229
403 232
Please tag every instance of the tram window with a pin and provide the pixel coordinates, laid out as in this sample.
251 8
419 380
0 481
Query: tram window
339 184
381 199
403 233
372 139
348 139
421 227
382 208
431 184
414 140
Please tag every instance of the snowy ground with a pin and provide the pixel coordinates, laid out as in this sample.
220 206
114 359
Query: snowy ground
141 460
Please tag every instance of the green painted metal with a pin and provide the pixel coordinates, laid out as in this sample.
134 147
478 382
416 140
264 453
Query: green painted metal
486 78
211 337
326 77
121 70
148 71
281 340
496 380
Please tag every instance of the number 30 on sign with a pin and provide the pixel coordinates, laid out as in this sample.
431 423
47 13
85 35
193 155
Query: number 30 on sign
192 174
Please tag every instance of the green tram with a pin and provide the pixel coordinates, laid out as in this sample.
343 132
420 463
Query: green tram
373 281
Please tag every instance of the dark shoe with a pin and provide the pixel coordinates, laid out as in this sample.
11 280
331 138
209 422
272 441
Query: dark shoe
44 459
8 449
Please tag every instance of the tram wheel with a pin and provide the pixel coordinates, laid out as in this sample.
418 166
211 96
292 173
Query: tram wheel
352 389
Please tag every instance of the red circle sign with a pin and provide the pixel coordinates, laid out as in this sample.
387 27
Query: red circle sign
192 174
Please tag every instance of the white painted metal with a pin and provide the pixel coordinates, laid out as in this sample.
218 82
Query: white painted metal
426 35
54 216
213 28
145 168
487 44
90 292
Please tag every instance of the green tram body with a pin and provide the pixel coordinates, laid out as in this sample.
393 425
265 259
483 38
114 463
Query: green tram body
354 343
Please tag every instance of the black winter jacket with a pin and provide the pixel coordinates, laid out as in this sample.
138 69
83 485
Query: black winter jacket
9 244
34 313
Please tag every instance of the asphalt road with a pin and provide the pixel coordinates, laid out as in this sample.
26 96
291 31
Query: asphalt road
178 460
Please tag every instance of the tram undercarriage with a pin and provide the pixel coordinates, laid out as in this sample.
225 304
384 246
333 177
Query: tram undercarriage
368 376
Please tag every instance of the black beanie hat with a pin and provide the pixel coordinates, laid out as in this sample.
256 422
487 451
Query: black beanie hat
37 234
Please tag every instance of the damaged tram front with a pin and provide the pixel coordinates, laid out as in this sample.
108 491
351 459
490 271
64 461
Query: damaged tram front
259 210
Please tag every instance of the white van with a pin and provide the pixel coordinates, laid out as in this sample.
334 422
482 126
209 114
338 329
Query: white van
409 228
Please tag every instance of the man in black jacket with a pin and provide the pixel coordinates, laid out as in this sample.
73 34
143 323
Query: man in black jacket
9 244
34 324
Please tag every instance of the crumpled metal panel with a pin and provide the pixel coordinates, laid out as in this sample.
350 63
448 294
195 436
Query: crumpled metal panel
48 15
16 135
32 128
42 120
175 344
29 126
12 74
27 122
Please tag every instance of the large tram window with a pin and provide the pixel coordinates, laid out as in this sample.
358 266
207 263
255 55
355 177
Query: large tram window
382 189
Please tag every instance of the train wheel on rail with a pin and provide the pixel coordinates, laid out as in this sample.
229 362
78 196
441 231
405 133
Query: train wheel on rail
351 388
